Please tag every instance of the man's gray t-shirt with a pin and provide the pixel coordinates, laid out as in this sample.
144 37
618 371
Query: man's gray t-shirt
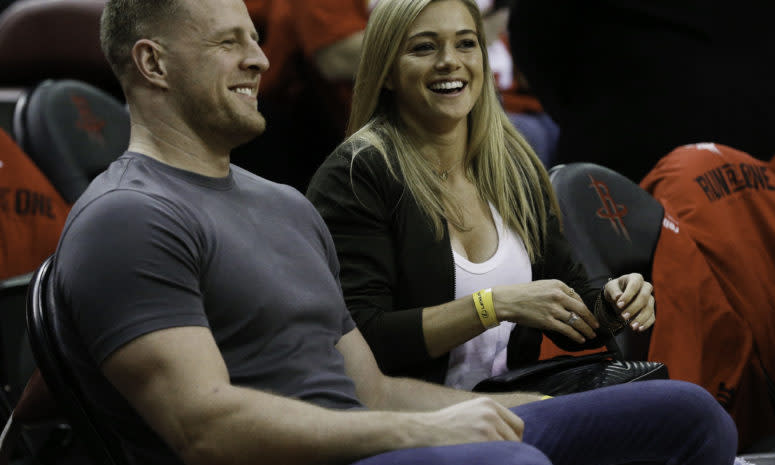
149 247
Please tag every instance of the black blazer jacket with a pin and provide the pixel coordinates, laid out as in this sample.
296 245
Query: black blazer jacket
392 266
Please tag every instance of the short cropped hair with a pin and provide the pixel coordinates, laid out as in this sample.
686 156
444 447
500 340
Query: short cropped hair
124 22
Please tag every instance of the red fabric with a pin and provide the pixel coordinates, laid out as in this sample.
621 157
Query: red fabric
32 213
715 300
322 22
726 200
296 30
279 44
701 336
515 101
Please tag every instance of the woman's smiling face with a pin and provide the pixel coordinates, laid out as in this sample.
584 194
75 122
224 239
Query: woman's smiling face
437 77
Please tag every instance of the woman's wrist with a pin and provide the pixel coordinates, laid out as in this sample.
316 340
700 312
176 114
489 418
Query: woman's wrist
485 308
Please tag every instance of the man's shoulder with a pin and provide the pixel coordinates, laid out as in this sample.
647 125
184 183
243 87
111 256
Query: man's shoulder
122 185
130 195
266 188
125 173
121 215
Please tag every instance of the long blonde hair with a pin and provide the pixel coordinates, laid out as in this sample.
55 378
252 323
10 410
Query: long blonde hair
500 163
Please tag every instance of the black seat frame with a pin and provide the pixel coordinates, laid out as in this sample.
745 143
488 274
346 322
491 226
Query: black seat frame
48 347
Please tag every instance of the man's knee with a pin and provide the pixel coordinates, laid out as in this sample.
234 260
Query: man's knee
689 399
697 409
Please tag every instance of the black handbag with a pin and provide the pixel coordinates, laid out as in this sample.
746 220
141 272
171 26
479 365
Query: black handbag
568 374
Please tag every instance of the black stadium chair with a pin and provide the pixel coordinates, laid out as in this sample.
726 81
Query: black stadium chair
72 131
612 223
613 227
34 430
54 346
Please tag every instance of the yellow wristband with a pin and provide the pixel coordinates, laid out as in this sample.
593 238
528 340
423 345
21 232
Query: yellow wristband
546 397
485 308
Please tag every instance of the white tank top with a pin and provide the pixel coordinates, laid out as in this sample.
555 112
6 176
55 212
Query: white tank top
485 355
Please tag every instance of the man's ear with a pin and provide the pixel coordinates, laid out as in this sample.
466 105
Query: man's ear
149 60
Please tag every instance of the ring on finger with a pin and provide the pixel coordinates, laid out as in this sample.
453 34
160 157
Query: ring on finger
570 292
572 319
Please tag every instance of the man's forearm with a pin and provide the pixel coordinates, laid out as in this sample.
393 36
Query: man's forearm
243 426
249 427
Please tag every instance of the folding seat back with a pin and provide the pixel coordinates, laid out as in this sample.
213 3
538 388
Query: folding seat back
613 227
72 131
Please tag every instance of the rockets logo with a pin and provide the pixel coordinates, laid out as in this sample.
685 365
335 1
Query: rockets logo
87 121
610 210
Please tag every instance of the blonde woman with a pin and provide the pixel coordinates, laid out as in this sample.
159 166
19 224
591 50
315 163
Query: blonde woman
452 259
435 196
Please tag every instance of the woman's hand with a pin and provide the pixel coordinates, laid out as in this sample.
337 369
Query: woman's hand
631 294
548 305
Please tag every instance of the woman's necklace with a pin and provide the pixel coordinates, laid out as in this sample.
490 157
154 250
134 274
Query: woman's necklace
444 174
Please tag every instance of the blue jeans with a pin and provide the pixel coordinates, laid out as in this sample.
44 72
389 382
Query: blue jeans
650 422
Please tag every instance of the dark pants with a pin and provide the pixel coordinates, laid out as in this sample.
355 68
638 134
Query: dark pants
650 422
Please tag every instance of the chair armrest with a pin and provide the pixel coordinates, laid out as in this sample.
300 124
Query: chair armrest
15 283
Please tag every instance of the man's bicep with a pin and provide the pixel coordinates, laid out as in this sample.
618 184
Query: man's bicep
168 377
127 266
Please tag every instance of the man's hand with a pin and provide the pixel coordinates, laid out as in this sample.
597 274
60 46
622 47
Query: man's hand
476 420
631 294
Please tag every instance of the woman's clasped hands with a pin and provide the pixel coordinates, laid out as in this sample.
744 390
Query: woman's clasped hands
552 305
